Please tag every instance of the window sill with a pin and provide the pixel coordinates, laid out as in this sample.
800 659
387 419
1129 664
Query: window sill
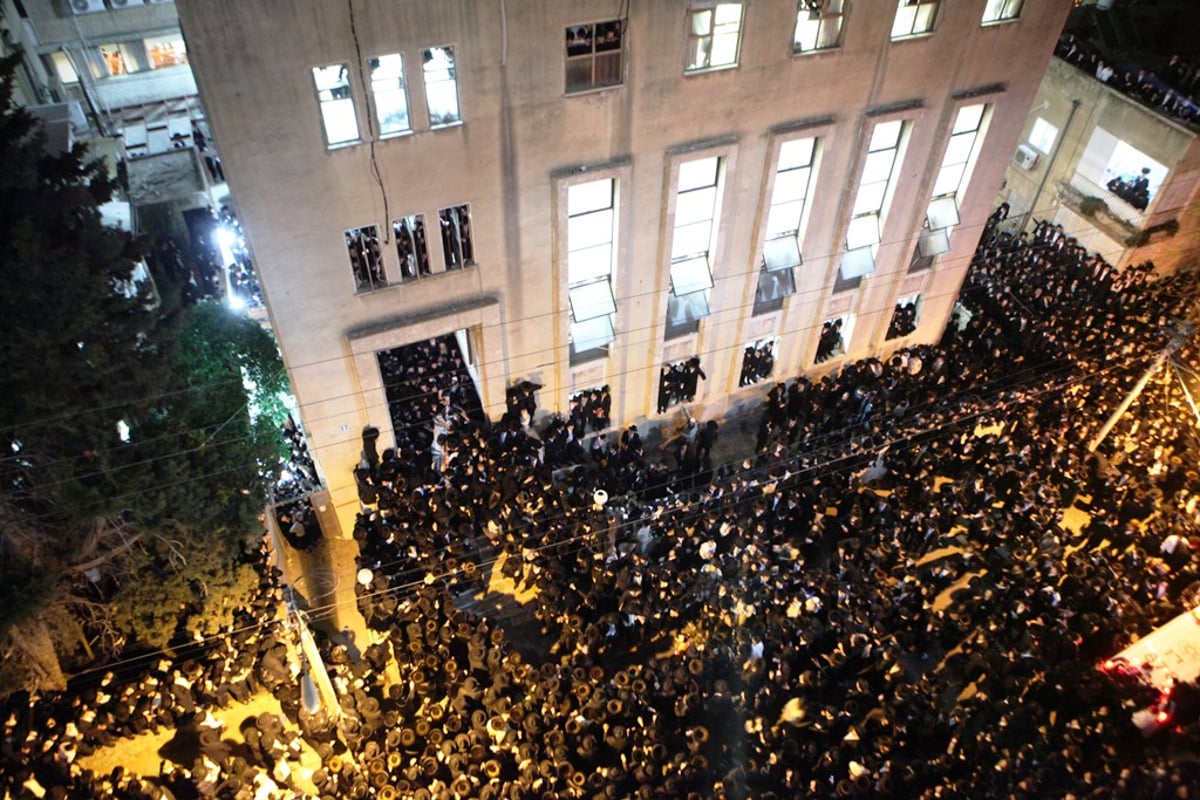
815 51
443 126
995 22
329 148
913 37
387 137
433 276
707 70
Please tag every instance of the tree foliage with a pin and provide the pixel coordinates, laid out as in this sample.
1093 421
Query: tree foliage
133 470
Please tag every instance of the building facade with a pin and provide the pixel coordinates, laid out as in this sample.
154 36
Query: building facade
584 191
1084 149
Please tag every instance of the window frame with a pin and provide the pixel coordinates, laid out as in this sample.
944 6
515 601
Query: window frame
419 273
452 79
349 86
402 90
370 282
593 57
913 32
693 39
775 284
823 17
681 304
1003 11
878 213
466 260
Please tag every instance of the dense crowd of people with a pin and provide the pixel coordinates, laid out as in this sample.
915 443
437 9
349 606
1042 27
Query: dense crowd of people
678 383
1170 91
904 320
758 362
879 601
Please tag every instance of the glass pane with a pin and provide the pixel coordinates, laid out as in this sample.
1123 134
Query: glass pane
968 118
387 70
608 36
905 17
943 213
729 13
688 308
608 69
691 240
392 108
702 22
807 27
579 74
857 263
441 87
948 179
959 149
878 166
587 230
790 185
775 285
690 276
832 7
724 49
932 243
340 124
784 218
885 135
589 263
924 21
796 153
579 40
590 196
592 300
332 81
694 174
831 32
869 199
694 206
863 232
593 333
781 253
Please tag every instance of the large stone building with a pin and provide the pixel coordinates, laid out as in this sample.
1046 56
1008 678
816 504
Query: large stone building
608 186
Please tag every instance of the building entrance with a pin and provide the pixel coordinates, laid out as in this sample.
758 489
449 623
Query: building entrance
428 384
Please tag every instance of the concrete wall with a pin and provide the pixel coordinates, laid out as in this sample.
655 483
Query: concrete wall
1099 106
519 132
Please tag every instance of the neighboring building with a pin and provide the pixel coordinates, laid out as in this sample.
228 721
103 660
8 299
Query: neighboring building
1084 149
606 194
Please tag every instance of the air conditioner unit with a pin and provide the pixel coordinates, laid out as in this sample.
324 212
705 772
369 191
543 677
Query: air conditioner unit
1026 157
86 6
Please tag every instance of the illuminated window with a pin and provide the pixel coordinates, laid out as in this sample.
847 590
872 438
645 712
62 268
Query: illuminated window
591 235
388 91
64 67
116 59
441 86
914 18
1001 10
337 106
693 240
871 201
785 223
593 56
714 31
166 51
818 25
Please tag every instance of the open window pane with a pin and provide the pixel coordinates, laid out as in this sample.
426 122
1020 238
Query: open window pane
690 276
441 86
858 262
774 286
698 173
589 263
781 253
687 309
411 248
863 232
592 300
593 333
943 213
933 242
702 22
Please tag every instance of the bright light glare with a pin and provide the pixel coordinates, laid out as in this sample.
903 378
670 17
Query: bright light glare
123 431
235 301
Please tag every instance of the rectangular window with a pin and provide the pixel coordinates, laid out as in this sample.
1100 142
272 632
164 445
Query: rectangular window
337 106
818 25
366 258
914 18
1002 10
785 223
166 51
871 202
693 241
966 138
64 67
904 317
441 86
388 91
1042 135
835 333
591 235
714 32
758 361
458 250
593 56
116 59
412 251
